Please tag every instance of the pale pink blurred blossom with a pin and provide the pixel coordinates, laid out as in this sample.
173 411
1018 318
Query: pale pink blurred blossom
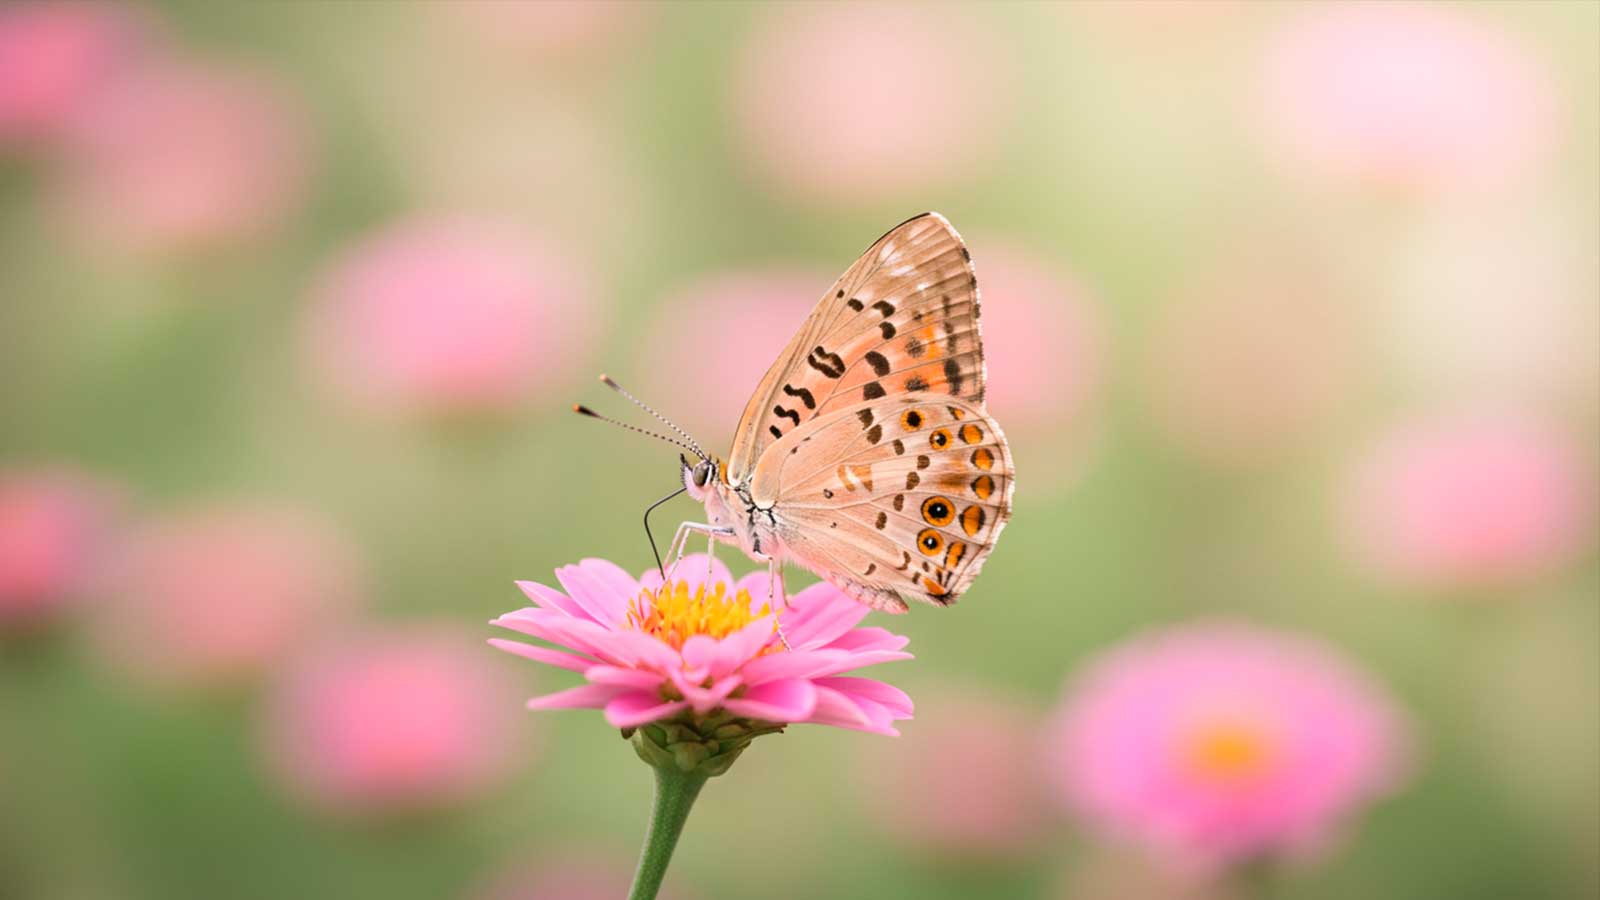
56 530
56 59
975 795
1240 369
215 595
186 157
1497 300
854 103
1043 339
542 29
391 720
1470 500
1223 743
1412 95
444 317
751 316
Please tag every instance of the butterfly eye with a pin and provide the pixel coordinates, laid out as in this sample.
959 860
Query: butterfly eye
930 542
701 473
937 511
940 439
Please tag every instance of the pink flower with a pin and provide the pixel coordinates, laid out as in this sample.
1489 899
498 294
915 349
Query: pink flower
438 317
1470 501
764 307
1406 94
55 530
857 103
1245 368
217 595
390 720
55 59
649 654
1222 743
973 796
186 157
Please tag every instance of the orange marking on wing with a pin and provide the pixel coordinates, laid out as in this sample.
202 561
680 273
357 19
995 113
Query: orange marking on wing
952 557
972 520
934 588
971 434
983 459
930 541
983 486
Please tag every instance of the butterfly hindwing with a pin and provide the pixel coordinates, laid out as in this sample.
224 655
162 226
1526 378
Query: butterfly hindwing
902 319
901 496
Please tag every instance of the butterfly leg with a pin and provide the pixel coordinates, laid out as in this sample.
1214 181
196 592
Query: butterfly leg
680 540
775 583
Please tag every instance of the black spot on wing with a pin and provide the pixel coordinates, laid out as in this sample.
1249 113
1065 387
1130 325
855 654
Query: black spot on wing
865 416
872 391
803 394
853 303
887 328
775 432
792 415
875 434
952 374
827 363
878 362
885 307
916 383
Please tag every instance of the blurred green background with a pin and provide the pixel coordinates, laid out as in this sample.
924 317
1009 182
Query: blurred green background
1223 277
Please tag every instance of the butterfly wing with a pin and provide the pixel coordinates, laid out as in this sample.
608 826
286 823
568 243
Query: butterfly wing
903 318
897 497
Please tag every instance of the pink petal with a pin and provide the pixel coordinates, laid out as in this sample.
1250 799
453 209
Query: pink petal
636 708
791 700
543 654
860 639
552 599
793 664
755 584
853 712
703 699
614 577
595 594
719 657
621 677
584 696
888 696
581 635
819 614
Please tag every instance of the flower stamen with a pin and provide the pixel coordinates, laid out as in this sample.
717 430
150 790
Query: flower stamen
672 614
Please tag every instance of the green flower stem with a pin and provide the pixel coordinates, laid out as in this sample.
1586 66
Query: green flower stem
676 791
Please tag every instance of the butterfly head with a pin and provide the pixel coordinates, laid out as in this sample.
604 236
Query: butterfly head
699 476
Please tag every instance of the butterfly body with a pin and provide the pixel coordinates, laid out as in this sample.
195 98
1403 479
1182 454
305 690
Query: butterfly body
866 454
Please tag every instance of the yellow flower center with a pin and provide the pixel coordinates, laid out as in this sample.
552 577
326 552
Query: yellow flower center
1229 751
672 614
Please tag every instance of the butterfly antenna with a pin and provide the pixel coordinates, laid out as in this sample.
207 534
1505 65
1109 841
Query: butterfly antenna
586 411
693 444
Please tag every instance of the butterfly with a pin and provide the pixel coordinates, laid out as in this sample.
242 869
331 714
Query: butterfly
866 454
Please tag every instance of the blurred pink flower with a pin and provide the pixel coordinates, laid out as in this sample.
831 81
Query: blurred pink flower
219 594
439 317
1222 743
183 157
1042 338
1406 94
861 102
649 654
1244 368
751 315
55 529
1469 501
55 59
391 720
576 29
975 795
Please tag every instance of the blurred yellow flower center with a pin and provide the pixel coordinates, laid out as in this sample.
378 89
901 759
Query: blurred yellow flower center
1229 752
673 614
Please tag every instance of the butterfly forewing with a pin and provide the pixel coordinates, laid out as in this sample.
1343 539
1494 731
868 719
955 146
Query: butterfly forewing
903 318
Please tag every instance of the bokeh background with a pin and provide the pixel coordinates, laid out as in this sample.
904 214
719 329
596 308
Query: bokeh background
1292 314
